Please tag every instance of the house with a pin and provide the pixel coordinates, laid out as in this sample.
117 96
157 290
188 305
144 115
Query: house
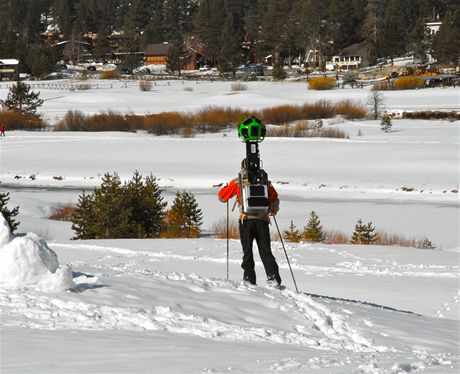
344 63
433 27
9 69
156 54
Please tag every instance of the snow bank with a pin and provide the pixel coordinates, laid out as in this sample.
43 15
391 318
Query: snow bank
28 261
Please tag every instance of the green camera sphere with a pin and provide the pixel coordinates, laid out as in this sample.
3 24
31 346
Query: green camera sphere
251 130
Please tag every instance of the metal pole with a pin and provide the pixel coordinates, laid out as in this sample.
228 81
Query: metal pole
227 242
287 258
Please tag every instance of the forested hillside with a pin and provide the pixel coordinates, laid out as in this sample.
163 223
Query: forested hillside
234 31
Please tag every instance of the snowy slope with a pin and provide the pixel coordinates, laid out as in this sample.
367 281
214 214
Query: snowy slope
163 306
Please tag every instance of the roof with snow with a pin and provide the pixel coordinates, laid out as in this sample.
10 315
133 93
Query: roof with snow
160 49
9 61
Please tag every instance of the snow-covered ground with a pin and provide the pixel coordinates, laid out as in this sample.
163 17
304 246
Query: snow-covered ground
165 306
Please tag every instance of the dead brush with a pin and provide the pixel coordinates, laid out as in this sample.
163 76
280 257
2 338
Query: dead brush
336 237
350 109
220 229
409 83
62 213
396 240
322 83
145 85
332 132
110 74
281 114
16 120
238 86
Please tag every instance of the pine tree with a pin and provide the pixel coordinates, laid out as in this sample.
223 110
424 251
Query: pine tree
292 235
385 123
147 206
446 42
313 231
278 70
9 214
363 234
21 98
184 218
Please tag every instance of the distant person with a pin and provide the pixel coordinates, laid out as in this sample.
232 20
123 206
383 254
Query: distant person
2 129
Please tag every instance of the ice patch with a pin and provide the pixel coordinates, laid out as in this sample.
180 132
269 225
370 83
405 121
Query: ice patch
27 261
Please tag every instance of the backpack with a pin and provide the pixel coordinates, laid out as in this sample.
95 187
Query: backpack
254 192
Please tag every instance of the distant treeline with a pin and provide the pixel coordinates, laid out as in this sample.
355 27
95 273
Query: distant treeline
233 31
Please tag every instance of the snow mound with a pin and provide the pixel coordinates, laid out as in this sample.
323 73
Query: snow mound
27 261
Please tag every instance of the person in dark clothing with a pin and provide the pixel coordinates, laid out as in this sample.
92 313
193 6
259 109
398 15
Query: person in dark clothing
254 227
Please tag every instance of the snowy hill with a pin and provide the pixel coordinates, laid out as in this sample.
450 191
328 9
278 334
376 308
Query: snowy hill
165 306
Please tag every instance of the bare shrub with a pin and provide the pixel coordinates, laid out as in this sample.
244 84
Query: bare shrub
145 85
409 83
336 237
238 86
187 132
281 114
190 89
279 131
220 229
110 74
382 86
62 213
333 132
73 120
350 109
429 114
322 83
394 239
319 109
16 120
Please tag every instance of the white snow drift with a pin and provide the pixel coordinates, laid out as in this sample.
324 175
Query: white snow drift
28 261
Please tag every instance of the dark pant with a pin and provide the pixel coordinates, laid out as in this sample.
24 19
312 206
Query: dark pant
257 229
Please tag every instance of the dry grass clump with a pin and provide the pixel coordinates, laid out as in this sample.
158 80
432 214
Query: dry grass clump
209 119
333 132
281 114
62 213
319 109
396 240
238 86
110 74
299 130
336 237
409 83
429 114
403 83
322 83
17 120
145 85
350 109
220 229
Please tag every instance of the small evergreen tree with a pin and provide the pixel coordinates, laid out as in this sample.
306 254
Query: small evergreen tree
426 244
185 218
21 98
313 231
292 235
131 210
363 234
278 70
7 213
144 198
385 123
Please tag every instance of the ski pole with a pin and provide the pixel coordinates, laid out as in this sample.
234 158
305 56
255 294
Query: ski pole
287 258
227 242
